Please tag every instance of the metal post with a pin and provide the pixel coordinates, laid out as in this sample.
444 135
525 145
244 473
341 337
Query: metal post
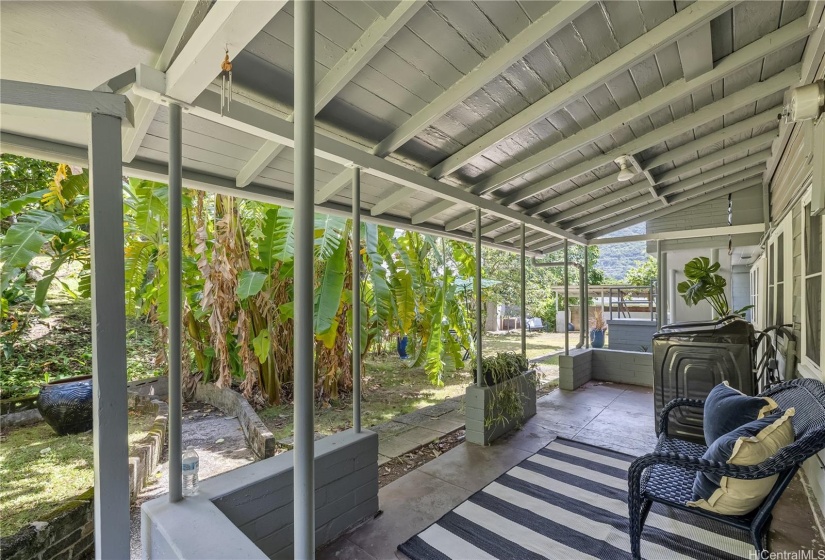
566 299
479 357
356 299
175 243
523 318
304 355
665 290
659 285
586 298
110 415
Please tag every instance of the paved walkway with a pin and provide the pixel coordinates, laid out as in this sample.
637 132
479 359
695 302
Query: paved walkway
407 432
613 416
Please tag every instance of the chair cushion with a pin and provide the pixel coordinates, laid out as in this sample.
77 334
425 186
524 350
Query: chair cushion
727 409
747 445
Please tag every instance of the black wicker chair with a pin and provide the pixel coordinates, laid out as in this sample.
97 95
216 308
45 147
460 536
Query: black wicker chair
666 475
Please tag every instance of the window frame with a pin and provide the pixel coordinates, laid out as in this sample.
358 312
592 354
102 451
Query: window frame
805 361
783 231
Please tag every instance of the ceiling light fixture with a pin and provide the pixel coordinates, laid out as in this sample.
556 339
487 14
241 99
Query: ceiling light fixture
625 172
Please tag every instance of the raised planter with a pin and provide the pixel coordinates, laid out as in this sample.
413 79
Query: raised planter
485 421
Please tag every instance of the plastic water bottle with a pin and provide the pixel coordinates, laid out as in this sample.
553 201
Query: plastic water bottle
189 464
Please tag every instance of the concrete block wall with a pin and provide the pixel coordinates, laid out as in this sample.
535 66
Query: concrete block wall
247 513
603 364
635 335
574 370
632 368
479 400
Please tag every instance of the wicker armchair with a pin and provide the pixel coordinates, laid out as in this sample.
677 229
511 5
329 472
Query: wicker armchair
666 475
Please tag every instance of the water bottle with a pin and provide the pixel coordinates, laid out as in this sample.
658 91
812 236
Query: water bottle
189 464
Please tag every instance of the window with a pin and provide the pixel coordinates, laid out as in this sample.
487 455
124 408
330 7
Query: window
780 302
812 250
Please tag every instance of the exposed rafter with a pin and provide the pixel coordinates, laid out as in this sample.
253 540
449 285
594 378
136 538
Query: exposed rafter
536 33
764 139
654 40
644 46
715 110
760 119
653 212
264 124
353 61
671 93
578 209
715 173
752 176
533 35
145 110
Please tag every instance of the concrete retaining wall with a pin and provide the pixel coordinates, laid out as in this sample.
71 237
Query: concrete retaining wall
602 364
259 437
635 335
247 513
480 405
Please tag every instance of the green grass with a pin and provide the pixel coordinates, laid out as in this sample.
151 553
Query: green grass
39 470
538 344
389 389
60 345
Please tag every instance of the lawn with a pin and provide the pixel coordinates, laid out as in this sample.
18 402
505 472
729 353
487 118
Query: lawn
389 388
39 469
538 343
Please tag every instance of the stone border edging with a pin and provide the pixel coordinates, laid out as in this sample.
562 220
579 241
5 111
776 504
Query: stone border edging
259 437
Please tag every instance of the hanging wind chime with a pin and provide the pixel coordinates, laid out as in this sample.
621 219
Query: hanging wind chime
226 80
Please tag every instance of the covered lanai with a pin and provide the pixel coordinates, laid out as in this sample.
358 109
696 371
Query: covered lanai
524 125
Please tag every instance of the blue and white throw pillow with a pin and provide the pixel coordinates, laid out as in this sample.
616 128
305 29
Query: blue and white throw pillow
727 409
750 444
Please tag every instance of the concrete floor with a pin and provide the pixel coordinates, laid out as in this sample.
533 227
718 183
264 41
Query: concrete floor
612 416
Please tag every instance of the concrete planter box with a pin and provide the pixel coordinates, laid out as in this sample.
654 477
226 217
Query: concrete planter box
480 405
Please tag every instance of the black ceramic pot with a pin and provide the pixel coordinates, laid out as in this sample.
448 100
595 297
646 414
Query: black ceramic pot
66 405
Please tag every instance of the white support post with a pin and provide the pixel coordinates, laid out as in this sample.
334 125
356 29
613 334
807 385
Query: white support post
659 285
356 299
523 317
665 289
566 299
304 343
175 307
110 409
479 326
586 297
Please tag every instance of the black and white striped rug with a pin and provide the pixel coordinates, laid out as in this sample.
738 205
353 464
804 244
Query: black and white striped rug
568 501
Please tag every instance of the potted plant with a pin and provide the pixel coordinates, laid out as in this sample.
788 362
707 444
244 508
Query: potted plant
598 326
504 402
703 284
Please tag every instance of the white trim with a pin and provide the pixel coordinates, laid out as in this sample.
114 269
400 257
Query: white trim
805 361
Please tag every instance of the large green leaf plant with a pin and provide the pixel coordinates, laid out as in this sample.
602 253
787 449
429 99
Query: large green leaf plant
703 284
